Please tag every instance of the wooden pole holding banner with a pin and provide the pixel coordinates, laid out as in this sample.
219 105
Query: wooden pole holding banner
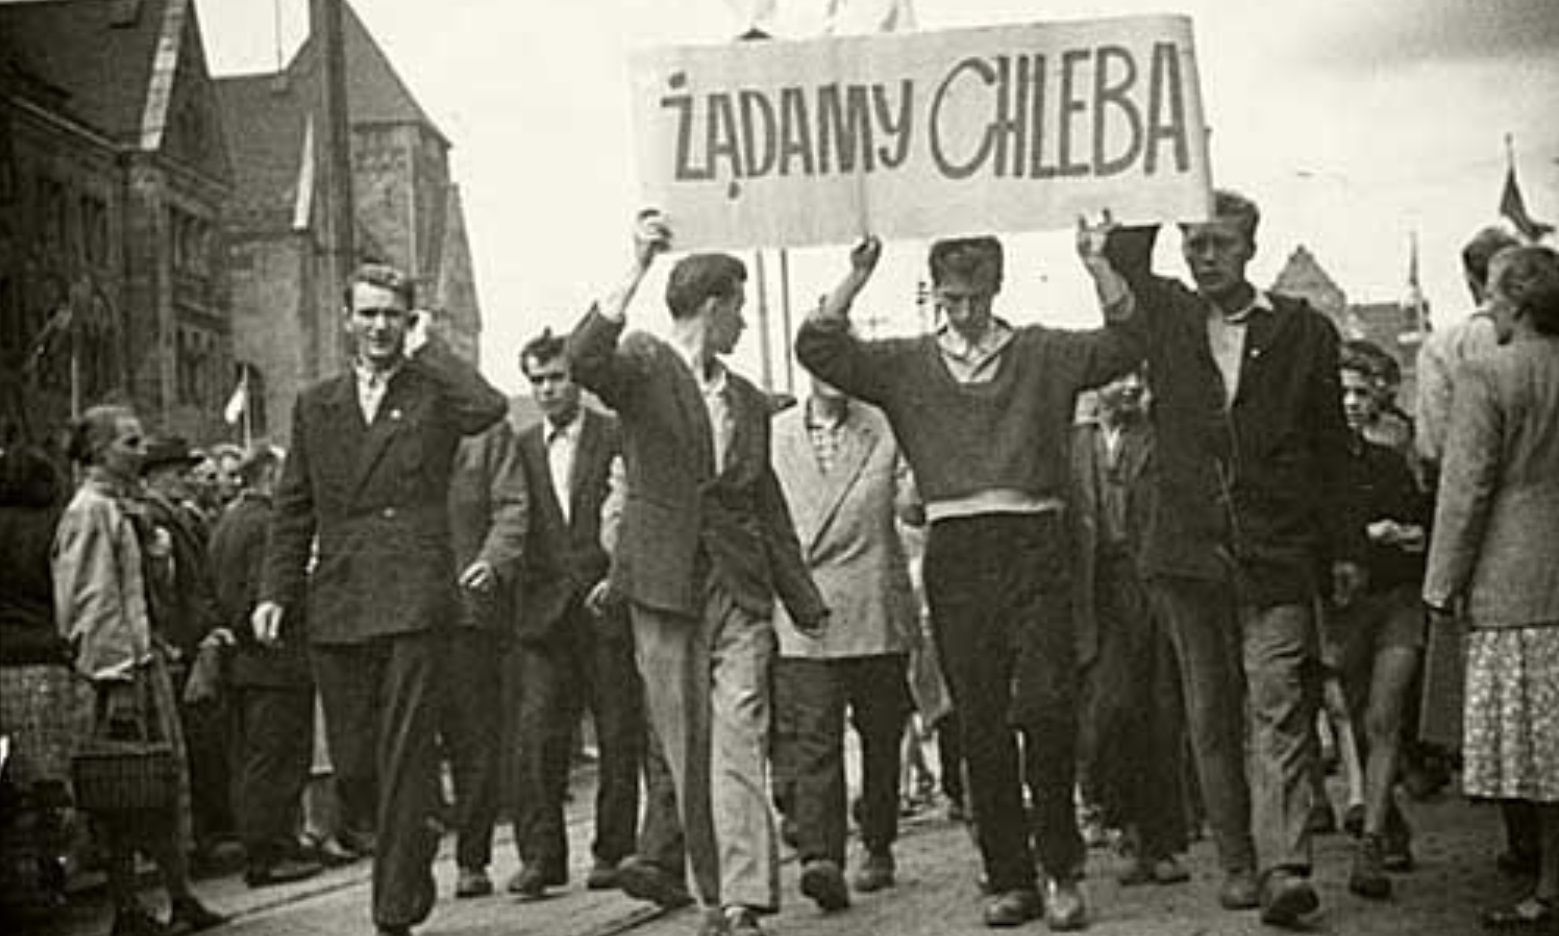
788 329
765 340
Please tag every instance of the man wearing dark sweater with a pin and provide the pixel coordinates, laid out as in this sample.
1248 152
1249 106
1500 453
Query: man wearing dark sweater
983 413
1252 507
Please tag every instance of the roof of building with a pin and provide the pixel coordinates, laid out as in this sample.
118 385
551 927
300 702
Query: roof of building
1303 275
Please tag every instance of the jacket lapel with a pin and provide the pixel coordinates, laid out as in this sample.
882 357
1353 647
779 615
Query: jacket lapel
387 422
584 456
691 401
856 442
1260 335
795 461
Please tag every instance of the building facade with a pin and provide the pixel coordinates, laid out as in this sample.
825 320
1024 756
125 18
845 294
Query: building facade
114 175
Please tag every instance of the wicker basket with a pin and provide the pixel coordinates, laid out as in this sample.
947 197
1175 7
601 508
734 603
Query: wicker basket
125 776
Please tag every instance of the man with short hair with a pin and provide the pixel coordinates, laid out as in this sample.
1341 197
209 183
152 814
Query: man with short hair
574 651
272 705
368 475
1251 506
705 548
982 411
846 484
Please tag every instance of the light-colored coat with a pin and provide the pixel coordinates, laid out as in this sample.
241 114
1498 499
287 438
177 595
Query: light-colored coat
99 588
845 521
1496 532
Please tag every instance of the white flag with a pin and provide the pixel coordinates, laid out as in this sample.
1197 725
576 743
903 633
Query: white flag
238 402
858 17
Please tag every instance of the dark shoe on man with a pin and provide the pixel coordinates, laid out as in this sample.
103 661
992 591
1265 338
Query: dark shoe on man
472 882
1065 909
1169 870
1013 908
642 879
1239 891
602 876
1286 898
823 881
1353 820
876 871
742 921
1321 821
285 871
1368 878
191 916
531 883
1397 844
133 920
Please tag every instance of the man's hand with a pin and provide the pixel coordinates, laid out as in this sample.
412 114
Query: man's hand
651 237
479 577
1091 238
266 622
813 628
1348 581
599 599
864 256
419 327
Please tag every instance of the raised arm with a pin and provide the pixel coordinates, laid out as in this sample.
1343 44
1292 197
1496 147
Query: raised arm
825 345
594 356
1102 354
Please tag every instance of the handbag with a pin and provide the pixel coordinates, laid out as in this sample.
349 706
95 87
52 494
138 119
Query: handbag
115 775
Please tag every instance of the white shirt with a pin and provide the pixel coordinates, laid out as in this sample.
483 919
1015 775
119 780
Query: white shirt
1226 339
371 385
562 446
711 386
972 362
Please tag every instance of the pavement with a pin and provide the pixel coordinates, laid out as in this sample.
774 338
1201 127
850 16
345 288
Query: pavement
936 894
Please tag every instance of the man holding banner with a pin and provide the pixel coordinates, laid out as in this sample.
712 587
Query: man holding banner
983 411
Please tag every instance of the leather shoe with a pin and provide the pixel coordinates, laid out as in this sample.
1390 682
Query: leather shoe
191 916
1286 898
473 882
1013 908
284 871
1239 891
1368 877
822 881
642 879
1065 909
602 876
876 872
741 921
531 883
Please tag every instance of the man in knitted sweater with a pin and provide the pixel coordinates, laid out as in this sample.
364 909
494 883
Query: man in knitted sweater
982 411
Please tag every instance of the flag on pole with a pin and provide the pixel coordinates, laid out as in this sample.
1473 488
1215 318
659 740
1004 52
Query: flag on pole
43 346
855 17
1513 206
238 403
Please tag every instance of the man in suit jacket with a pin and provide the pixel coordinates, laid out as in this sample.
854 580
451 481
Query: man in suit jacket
1251 507
706 545
488 519
1130 720
272 705
846 483
574 652
368 478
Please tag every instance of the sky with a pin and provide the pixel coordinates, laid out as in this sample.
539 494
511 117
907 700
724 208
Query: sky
1352 124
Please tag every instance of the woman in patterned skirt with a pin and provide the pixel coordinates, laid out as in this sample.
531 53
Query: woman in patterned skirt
1493 556
101 609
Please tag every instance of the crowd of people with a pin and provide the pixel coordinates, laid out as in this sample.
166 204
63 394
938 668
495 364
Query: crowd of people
1133 576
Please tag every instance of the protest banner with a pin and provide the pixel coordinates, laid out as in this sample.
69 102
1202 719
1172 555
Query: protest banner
1011 128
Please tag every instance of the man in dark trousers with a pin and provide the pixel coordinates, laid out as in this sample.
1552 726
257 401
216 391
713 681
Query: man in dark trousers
272 704
368 475
574 651
1252 520
1132 722
982 410
706 547
488 513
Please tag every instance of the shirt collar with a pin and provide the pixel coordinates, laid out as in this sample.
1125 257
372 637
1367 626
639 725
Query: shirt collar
1260 300
568 431
709 381
369 377
956 345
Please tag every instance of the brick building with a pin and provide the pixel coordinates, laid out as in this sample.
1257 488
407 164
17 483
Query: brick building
286 320
113 177
1396 327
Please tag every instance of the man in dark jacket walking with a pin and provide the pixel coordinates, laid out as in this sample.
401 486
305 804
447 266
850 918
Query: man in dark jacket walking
368 474
1252 508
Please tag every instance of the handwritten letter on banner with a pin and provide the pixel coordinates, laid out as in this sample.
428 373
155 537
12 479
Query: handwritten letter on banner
1010 128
